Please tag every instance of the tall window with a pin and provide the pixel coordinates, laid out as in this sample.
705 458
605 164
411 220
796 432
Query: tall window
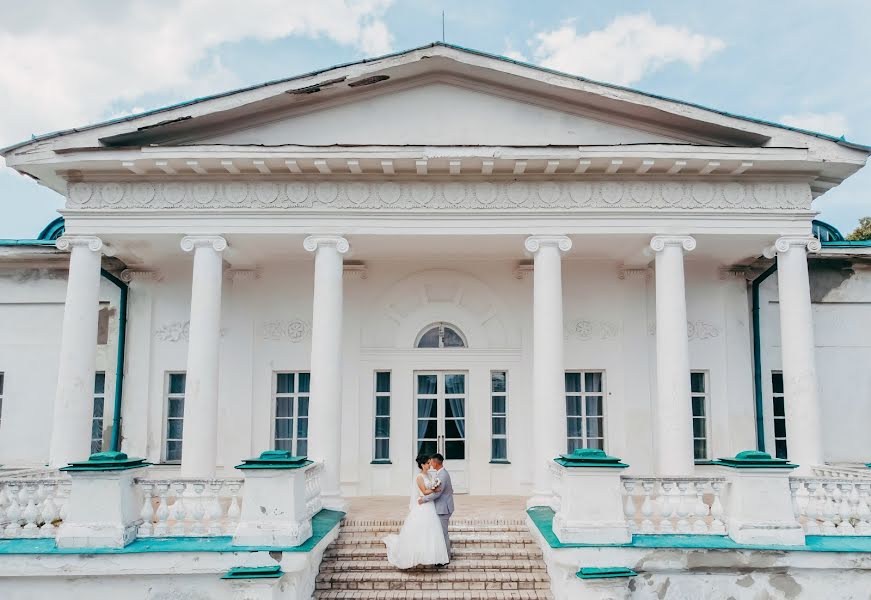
779 412
585 417
441 335
499 416
291 412
382 416
97 420
699 395
175 383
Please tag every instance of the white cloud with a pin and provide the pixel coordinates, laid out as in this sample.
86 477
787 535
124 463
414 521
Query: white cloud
74 62
626 50
832 123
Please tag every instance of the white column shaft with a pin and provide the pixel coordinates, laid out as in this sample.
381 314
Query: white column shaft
548 367
325 408
200 435
673 414
803 438
74 403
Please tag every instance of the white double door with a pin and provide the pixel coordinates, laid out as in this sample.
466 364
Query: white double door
440 420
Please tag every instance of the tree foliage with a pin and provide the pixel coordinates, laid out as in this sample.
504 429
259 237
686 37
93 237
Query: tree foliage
862 232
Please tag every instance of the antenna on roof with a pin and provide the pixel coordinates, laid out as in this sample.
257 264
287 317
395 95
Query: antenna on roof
443 27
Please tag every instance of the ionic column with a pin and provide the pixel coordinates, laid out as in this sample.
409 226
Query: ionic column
74 402
673 411
803 439
325 407
200 435
548 368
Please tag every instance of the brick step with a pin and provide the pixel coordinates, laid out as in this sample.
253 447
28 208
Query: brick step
492 539
465 552
433 595
392 527
445 579
458 565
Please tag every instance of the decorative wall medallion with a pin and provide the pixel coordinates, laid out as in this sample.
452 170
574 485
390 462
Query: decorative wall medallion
177 331
442 195
586 330
293 330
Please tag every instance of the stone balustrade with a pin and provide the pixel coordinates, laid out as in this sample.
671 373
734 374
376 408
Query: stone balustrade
313 500
842 472
189 507
832 506
685 505
32 507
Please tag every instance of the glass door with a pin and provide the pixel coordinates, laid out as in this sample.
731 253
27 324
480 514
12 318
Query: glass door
441 420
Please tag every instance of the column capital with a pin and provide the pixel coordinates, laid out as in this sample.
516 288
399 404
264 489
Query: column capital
659 242
216 242
783 244
91 242
313 242
534 243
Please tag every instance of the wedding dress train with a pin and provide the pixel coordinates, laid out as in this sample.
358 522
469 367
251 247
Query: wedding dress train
420 541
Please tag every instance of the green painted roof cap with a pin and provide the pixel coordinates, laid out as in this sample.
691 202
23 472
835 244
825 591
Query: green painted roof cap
272 572
589 457
754 459
107 461
605 572
275 459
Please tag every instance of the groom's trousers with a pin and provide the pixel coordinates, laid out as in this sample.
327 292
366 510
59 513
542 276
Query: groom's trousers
445 519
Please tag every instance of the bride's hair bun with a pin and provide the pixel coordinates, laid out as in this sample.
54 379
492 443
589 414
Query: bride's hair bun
421 460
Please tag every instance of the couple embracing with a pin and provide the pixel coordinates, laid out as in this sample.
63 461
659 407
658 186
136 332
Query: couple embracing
423 539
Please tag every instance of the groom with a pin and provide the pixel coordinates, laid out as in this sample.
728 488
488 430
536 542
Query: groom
443 497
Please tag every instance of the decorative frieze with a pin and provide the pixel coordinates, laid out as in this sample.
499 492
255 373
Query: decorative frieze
292 330
176 331
440 195
696 330
586 330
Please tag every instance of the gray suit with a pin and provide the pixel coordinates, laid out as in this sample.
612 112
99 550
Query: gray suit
444 503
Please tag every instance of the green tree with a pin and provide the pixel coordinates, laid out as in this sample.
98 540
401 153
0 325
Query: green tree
862 232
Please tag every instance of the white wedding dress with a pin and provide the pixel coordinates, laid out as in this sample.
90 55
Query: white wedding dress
421 540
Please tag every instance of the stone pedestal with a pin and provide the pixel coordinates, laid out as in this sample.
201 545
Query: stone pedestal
758 501
274 511
591 502
104 504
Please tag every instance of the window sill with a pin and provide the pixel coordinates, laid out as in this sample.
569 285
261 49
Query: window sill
500 462
706 461
381 462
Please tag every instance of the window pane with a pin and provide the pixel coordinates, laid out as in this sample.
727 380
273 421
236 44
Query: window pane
595 427
430 339
455 384
697 383
700 449
499 426
96 446
302 406
98 407
779 409
574 427
304 380
173 451
698 406
593 382
382 426
302 428
176 383
699 428
301 448
455 450
573 383
284 383
382 449
284 407
780 428
455 408
499 450
284 445
99 383
427 429
426 384
174 428
777 383
780 449
455 428
574 444
426 408
426 447
382 382
573 406
497 381
594 406
382 406
176 408
596 443
498 405
452 339
283 428
97 429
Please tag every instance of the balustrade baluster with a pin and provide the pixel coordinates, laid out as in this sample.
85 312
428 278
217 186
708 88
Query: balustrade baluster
196 509
215 512
233 511
647 507
4 503
666 506
146 528
30 512
700 511
13 513
162 513
684 507
718 525
629 506
49 509
178 511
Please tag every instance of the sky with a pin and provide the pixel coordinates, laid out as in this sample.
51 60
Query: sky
66 63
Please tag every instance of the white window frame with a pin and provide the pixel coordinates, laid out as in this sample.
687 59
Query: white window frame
774 417
376 395
706 380
441 327
167 396
585 438
294 419
101 396
503 415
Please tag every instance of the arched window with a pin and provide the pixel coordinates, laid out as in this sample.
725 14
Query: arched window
441 335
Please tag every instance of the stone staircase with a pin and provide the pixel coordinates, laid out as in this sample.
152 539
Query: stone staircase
491 560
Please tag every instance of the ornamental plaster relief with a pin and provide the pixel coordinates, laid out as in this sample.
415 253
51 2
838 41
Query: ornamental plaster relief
441 195
696 330
586 330
177 331
292 330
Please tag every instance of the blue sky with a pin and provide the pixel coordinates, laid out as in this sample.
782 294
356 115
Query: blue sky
68 63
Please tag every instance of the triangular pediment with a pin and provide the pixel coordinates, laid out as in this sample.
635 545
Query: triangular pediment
437 113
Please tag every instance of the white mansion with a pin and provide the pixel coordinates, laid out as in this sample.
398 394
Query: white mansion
438 250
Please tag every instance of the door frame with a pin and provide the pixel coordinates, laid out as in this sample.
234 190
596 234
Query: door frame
441 401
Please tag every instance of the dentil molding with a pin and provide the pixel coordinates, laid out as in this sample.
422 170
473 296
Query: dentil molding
439 195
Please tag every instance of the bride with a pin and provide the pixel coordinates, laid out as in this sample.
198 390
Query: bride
421 540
